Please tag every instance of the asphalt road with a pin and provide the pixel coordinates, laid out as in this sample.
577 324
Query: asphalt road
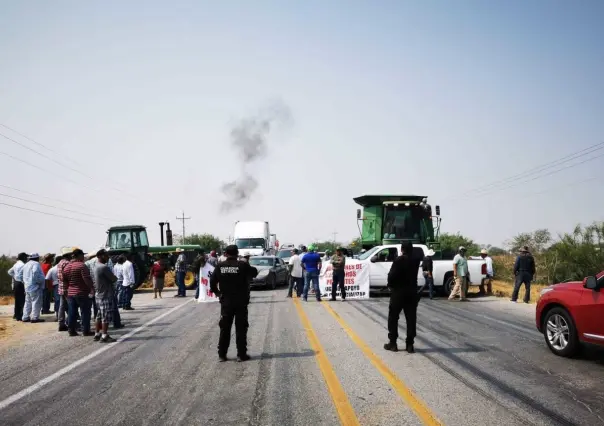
478 363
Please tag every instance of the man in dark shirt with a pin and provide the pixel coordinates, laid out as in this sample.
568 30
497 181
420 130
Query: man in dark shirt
104 297
230 282
524 270
402 282
427 268
78 285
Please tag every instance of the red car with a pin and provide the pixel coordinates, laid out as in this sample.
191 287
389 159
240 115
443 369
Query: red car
570 314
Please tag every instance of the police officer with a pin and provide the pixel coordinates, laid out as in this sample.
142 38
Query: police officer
230 282
402 281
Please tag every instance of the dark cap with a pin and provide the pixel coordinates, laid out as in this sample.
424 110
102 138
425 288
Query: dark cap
100 252
78 252
231 250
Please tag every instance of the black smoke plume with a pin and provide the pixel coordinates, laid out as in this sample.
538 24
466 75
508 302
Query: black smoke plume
249 137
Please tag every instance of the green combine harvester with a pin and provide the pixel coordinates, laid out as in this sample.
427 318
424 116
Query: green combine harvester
394 219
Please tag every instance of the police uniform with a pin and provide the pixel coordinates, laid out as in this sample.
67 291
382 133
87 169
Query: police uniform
230 282
402 281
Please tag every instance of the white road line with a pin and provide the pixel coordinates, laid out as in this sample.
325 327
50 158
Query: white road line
28 391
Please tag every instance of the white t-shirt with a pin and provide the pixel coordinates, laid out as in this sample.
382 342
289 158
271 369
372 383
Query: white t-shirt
53 275
296 263
489 263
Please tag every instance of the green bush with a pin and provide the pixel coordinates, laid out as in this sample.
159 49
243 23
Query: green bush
5 281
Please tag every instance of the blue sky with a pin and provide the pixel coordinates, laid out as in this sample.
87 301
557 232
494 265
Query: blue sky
432 97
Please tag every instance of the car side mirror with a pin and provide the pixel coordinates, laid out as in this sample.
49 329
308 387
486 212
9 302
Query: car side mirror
374 259
591 283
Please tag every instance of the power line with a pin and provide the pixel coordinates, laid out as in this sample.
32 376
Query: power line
537 169
62 164
539 177
42 196
51 214
58 208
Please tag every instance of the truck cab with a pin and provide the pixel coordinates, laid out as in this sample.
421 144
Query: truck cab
130 239
254 238
394 219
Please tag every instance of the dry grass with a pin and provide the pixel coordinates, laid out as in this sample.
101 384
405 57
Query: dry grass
3 332
7 300
169 281
505 289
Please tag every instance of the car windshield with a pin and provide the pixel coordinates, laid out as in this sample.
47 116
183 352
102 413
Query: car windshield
262 261
368 253
284 254
250 243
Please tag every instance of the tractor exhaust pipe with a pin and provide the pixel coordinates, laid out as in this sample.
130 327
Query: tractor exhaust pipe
161 232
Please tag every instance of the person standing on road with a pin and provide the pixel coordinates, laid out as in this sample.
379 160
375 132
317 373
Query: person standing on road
16 273
104 295
128 282
91 265
118 271
402 282
67 254
181 272
230 282
212 259
52 277
80 290
47 289
311 264
524 270
338 263
34 281
488 280
428 268
461 275
295 272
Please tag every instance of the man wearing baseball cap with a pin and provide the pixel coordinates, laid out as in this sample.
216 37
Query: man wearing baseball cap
461 274
80 290
34 281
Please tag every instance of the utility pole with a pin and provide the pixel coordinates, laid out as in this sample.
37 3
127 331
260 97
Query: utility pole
183 218
334 237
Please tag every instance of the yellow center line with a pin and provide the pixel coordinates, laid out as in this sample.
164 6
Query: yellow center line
417 405
340 400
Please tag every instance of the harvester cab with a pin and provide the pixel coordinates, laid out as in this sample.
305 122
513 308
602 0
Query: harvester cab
130 239
394 219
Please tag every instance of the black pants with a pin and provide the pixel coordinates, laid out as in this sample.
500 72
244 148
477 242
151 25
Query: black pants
19 293
407 303
526 278
228 313
338 280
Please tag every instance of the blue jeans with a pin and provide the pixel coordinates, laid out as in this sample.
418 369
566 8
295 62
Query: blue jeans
314 277
84 304
55 295
180 282
430 285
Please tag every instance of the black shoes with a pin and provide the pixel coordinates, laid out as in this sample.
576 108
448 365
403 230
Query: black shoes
222 358
107 339
391 347
243 358
410 349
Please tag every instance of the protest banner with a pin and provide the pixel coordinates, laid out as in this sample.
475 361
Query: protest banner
205 294
356 281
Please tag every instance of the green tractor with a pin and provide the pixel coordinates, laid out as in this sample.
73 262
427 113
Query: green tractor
394 219
130 239
170 255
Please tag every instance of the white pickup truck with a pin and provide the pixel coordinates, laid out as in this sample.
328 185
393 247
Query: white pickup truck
380 260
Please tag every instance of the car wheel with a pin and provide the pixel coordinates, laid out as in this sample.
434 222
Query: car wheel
560 332
271 282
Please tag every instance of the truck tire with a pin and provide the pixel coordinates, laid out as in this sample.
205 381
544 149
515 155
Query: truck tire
448 284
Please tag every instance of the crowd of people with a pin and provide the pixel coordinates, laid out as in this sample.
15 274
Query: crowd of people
84 288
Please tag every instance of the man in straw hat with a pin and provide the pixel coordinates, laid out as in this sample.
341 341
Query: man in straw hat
524 270
34 281
66 254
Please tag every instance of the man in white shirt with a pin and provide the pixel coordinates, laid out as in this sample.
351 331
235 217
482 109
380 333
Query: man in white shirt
16 273
53 275
128 283
295 266
488 280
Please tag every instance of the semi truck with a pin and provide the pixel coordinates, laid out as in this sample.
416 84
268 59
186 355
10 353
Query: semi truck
254 238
